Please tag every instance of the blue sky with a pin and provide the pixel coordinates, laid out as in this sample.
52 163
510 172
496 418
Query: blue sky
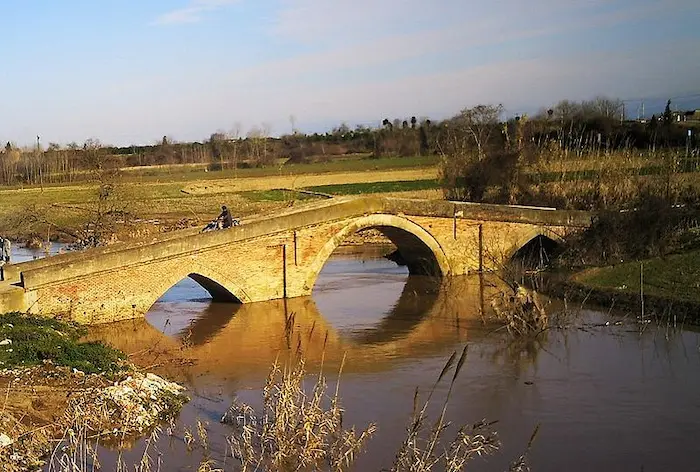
126 71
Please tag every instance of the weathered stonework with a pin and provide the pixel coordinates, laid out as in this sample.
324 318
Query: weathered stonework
277 256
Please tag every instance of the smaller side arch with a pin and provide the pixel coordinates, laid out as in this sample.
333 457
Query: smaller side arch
393 227
523 239
217 291
217 285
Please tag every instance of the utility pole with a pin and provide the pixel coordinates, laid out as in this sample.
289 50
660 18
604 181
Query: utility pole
687 143
39 163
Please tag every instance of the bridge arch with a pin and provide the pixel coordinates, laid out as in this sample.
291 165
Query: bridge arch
422 253
529 237
219 286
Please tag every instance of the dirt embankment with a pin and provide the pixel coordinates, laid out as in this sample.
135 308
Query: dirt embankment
47 407
60 390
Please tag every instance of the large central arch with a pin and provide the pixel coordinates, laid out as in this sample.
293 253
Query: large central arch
420 250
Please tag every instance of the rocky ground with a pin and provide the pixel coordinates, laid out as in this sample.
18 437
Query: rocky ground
47 410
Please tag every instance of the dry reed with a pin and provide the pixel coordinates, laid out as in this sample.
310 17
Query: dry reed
298 429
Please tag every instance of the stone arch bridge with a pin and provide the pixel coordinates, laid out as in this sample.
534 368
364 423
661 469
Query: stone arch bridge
277 255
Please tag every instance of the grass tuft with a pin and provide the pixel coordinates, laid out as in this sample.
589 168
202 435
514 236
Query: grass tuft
31 340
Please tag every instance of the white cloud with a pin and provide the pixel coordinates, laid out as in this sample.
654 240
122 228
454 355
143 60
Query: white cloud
340 21
519 84
461 36
192 13
364 61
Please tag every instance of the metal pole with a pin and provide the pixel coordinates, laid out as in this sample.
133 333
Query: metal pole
295 248
481 248
454 222
284 271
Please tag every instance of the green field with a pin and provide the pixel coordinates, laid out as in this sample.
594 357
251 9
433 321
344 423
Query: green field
359 188
348 164
187 195
675 277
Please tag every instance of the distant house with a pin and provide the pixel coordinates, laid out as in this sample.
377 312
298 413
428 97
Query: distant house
691 115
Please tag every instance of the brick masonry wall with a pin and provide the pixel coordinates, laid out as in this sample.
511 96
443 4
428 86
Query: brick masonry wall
272 266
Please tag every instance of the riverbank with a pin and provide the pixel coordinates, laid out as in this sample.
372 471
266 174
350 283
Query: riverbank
662 288
59 390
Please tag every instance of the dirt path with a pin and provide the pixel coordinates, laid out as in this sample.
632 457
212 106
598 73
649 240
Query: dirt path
204 187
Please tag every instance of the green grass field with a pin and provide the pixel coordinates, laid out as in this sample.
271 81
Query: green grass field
349 164
675 277
359 188
376 187
172 194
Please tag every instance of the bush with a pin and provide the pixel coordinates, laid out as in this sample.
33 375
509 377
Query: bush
653 227
31 340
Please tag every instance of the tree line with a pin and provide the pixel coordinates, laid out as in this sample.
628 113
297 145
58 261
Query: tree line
599 122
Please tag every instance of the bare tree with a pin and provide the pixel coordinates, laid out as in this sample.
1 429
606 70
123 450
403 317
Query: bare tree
235 135
479 123
109 207
217 144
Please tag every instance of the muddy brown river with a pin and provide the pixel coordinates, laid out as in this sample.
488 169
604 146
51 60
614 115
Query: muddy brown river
607 392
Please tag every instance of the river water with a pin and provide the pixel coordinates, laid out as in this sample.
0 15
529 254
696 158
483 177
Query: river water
606 392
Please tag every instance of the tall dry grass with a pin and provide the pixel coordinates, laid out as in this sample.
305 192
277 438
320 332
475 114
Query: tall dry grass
425 447
297 429
518 164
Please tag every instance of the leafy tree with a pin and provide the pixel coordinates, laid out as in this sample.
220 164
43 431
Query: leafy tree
668 116
423 141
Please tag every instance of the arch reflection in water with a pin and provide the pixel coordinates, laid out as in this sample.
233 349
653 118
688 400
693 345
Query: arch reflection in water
228 342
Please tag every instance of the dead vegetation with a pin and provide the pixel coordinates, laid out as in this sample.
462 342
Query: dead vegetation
302 429
425 447
521 311
61 425
297 429
539 161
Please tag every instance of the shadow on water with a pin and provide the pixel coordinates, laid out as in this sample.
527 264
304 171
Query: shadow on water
208 323
417 298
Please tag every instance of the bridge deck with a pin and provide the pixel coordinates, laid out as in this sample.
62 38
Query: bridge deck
176 242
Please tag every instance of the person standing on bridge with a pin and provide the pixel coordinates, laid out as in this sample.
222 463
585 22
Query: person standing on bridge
5 248
225 217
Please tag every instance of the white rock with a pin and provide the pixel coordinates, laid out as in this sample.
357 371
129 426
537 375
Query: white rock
5 342
5 440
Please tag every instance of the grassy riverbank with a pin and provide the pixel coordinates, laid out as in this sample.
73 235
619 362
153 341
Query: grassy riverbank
676 277
669 286
59 390
27 341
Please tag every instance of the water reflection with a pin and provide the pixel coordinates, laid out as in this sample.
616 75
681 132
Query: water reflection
231 341
24 254
607 397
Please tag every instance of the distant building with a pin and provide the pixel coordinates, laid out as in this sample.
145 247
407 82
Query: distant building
685 116
691 115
